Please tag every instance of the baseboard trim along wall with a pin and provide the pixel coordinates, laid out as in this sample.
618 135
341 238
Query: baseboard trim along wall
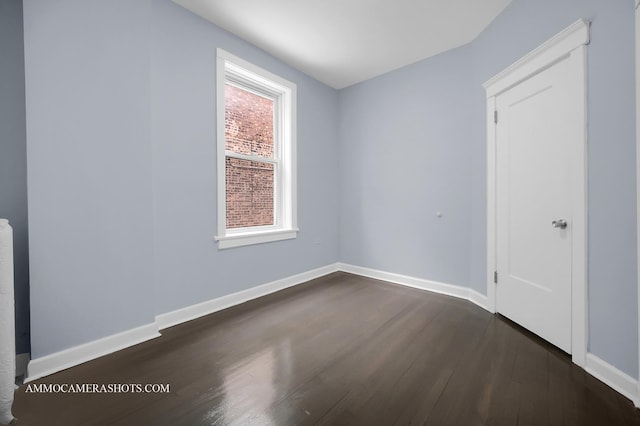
44 366
71 357
53 363
598 368
205 308
612 377
419 283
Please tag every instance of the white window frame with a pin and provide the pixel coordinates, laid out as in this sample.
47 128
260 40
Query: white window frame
245 75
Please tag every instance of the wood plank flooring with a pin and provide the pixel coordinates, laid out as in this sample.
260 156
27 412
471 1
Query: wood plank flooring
339 350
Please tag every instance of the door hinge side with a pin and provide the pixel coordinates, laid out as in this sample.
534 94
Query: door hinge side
495 277
495 116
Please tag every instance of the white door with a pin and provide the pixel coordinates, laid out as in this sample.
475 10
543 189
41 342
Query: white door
534 141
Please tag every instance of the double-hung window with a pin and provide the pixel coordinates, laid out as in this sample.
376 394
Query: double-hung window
256 144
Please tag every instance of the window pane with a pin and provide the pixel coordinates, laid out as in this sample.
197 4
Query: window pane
248 122
249 193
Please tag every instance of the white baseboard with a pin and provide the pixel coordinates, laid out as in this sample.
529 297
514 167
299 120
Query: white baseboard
58 361
44 366
479 299
419 283
205 308
49 364
611 376
600 369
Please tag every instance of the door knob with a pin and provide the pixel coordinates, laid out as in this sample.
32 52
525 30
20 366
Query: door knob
560 223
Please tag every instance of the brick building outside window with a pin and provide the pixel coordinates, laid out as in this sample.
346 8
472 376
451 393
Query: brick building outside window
248 124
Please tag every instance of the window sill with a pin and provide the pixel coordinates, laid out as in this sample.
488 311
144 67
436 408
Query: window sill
249 238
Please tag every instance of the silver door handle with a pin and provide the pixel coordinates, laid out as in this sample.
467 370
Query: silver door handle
560 223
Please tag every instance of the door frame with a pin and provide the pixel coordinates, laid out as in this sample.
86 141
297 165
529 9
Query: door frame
637 30
570 45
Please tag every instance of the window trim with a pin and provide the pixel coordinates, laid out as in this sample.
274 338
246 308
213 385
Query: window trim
240 72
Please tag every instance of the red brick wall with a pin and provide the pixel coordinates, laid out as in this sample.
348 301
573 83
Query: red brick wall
249 184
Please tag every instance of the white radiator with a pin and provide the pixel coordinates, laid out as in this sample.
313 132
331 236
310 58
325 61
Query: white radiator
7 324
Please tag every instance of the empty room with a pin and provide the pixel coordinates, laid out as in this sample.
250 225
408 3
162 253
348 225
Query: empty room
333 212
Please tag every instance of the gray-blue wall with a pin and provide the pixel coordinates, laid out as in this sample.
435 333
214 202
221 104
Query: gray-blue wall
89 169
13 157
122 182
413 143
121 150
405 157
189 268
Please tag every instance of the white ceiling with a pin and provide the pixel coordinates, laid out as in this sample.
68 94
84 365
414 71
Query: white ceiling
343 42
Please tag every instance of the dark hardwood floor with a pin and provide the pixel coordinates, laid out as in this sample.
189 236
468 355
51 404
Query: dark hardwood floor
339 350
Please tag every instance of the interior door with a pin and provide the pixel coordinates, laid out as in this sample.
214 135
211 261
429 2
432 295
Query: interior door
533 210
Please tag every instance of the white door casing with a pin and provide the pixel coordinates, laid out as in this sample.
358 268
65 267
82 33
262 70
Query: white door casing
568 48
637 19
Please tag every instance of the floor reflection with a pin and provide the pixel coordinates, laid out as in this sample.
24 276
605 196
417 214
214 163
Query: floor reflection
252 387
